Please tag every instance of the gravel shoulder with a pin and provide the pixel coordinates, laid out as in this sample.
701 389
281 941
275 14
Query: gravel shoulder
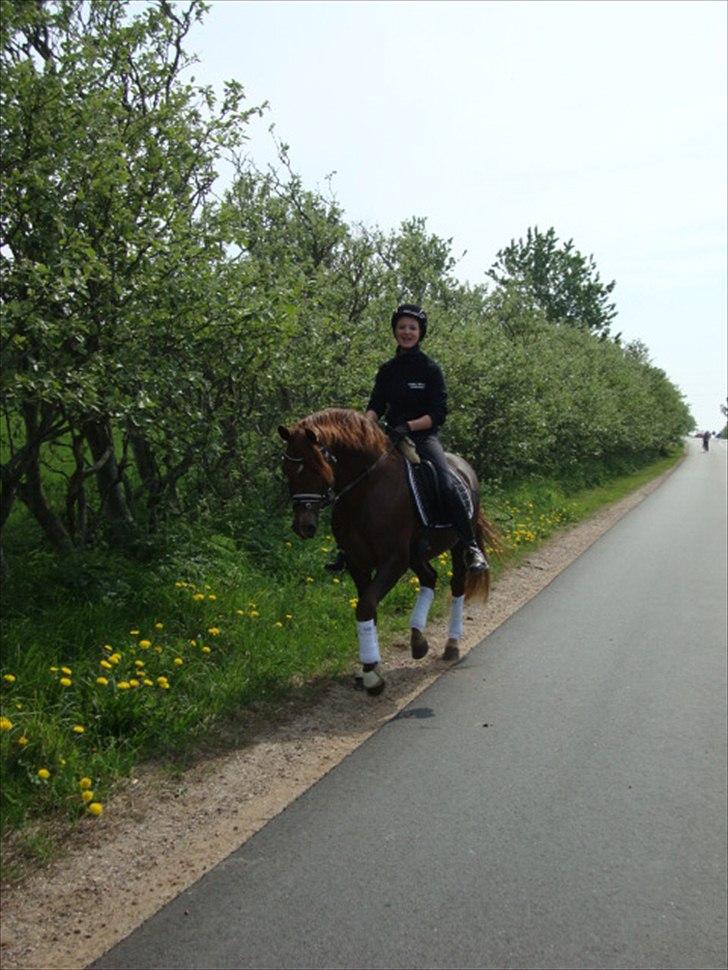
163 830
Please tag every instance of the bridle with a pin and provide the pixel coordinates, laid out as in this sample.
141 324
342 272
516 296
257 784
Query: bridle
321 500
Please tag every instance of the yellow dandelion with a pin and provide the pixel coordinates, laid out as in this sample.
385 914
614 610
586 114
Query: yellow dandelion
214 631
288 545
84 782
22 741
18 706
240 612
198 597
178 661
180 585
123 685
138 663
102 681
353 602
65 681
159 626
161 681
87 795
206 650
254 613
6 724
78 729
134 633
9 678
278 623
336 580
96 808
67 671
157 649
115 657
211 596
105 664
147 682
309 579
44 774
145 644
53 670
193 643
62 762
133 682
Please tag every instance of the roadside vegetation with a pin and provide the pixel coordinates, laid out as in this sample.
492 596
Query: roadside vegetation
157 330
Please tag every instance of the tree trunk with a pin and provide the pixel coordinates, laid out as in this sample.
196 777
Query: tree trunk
31 492
108 476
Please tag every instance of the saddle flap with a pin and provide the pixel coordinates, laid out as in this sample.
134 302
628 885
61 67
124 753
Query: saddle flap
425 488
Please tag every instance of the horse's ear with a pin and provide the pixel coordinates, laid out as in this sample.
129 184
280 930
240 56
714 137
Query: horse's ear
284 432
312 436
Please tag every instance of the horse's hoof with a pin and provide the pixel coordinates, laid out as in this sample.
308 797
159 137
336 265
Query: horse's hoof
373 682
418 644
359 681
452 651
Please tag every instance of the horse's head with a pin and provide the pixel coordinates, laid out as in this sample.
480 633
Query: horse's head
307 464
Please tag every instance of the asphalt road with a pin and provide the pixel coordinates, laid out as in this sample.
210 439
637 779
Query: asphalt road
558 799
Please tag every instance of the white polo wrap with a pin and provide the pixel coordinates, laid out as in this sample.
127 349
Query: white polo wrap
418 620
368 641
455 630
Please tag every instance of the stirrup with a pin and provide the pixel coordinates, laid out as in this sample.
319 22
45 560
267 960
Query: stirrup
337 565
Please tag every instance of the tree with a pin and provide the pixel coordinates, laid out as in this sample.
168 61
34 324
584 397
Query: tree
562 282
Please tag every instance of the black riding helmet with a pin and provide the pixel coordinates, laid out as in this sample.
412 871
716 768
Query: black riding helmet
411 310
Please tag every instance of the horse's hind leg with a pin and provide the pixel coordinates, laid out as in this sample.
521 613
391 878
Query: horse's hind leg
418 620
457 588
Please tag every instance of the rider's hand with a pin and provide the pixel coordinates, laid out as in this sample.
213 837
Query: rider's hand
398 433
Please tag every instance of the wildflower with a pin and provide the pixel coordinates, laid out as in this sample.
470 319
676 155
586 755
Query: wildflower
206 650
211 596
65 681
134 633
198 597
336 580
159 626
102 681
309 579
278 623
53 670
44 774
78 729
353 602
62 762
84 782
178 661
145 644
9 678
214 631
138 663
240 612
87 795
193 643
105 664
115 657
180 585
18 706
162 681
254 613
133 682
5 724
96 808
22 741
289 616
67 671
123 685
147 682
288 545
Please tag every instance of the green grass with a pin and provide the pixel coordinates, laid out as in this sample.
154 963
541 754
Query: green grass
228 622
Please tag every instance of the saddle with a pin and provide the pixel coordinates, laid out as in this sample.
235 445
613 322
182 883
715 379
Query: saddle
425 488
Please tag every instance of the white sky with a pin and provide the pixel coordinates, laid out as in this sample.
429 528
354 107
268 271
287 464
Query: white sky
605 120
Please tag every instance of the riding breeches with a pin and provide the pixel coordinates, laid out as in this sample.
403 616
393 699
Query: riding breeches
429 447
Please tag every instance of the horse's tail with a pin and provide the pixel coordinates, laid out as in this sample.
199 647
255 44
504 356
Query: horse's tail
477 585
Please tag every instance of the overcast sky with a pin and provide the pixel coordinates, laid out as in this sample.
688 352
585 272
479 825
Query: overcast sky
605 120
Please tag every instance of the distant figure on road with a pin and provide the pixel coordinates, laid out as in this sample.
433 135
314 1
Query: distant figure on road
706 440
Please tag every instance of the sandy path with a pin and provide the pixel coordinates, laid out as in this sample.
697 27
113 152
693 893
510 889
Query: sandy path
162 831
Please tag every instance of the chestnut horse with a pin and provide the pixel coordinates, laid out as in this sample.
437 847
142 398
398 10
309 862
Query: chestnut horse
340 458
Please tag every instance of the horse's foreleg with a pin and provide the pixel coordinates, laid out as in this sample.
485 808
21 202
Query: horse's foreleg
370 593
457 607
418 620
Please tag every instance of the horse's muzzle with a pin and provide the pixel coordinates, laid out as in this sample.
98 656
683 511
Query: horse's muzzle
305 525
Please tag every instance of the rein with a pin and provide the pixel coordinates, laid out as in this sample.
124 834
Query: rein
329 497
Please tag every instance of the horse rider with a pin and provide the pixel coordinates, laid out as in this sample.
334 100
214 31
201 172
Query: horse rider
410 389
706 440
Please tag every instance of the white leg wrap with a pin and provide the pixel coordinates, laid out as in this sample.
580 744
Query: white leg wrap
368 641
455 630
418 620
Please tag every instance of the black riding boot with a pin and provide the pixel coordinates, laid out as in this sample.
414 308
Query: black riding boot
473 556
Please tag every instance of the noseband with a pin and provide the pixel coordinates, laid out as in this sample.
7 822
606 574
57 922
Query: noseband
314 500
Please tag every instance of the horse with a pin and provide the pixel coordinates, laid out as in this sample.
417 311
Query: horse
340 458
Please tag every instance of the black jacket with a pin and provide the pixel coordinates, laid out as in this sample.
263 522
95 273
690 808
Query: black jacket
407 386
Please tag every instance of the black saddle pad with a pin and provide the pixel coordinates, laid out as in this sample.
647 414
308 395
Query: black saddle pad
425 491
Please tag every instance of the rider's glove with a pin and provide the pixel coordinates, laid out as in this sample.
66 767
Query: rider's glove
398 433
